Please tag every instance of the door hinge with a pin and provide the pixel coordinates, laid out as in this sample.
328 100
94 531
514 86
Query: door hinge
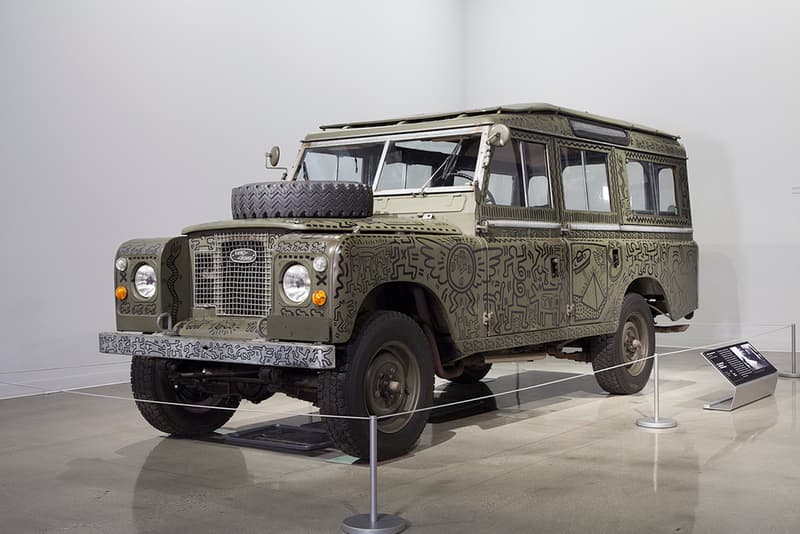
487 318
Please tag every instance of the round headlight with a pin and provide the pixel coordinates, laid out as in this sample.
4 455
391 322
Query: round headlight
121 264
320 263
296 283
145 281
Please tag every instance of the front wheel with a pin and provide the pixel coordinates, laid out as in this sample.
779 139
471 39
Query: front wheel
634 339
152 380
386 370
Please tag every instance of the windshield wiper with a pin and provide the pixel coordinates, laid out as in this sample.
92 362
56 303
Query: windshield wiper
448 163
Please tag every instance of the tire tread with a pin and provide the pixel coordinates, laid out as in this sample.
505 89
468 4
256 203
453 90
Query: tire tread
285 199
165 417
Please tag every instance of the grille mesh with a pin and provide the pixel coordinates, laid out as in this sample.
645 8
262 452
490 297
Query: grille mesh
233 288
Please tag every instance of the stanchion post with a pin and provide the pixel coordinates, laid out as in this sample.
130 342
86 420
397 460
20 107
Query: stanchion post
793 373
373 470
373 522
656 421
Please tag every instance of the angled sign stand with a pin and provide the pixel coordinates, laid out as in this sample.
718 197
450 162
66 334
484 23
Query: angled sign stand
750 374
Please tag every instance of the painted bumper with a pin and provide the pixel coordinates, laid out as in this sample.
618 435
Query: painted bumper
270 353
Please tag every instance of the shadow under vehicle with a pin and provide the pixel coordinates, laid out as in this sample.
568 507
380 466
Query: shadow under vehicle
396 250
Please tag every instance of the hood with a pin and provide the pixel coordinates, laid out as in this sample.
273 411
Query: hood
369 225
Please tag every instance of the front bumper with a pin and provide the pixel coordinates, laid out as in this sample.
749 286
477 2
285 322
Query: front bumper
270 353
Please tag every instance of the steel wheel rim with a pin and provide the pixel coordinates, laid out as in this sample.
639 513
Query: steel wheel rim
635 345
392 385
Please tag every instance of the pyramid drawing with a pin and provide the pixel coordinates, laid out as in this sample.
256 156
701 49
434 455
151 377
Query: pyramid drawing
593 297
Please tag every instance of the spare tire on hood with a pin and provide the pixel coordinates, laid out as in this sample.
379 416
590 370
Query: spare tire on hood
285 199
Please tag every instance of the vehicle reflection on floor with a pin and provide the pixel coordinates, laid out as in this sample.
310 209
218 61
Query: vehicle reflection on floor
493 402
506 394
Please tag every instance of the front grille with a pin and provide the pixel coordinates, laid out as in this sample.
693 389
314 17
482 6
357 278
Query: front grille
242 288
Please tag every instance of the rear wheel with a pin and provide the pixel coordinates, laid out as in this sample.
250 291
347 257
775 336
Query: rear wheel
386 370
151 381
633 340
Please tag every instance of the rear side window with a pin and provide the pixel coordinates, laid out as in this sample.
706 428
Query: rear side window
652 188
584 177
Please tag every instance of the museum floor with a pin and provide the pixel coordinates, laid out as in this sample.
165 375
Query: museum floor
562 458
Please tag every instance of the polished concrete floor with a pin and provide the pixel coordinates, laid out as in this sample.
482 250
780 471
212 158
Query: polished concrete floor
560 458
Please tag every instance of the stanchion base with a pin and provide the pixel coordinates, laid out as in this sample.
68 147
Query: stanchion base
789 375
660 423
386 524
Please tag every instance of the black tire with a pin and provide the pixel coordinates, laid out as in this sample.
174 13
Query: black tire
386 347
635 338
301 199
472 374
150 381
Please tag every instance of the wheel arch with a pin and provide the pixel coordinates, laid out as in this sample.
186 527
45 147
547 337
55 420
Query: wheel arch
399 296
653 293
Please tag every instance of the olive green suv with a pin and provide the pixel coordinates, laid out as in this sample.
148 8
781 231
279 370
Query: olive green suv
398 250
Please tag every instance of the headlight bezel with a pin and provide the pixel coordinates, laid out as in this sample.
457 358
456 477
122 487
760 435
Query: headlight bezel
149 294
296 295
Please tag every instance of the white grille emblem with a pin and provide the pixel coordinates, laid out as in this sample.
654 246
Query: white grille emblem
243 255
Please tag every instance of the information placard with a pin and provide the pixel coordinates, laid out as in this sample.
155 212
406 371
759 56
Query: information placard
739 363
746 369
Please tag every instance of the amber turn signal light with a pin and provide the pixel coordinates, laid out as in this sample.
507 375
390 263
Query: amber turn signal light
121 293
319 297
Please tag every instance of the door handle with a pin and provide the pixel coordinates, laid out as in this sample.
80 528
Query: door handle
555 269
615 257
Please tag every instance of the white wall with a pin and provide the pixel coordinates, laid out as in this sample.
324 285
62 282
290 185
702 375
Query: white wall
724 76
134 119
106 104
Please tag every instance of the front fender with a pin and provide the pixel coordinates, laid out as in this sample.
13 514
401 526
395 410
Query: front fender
452 268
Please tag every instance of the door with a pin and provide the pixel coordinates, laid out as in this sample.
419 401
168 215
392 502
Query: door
527 258
590 222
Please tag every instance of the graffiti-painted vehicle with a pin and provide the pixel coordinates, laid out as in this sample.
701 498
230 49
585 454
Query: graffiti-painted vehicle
396 250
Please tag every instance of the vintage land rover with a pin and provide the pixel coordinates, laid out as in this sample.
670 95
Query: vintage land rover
397 250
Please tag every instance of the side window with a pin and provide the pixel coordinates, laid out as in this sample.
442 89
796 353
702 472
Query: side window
640 189
667 205
585 179
504 187
652 188
537 181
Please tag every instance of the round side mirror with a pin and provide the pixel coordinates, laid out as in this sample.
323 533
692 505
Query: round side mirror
499 134
274 156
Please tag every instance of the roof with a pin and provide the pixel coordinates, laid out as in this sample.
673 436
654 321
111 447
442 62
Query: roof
514 109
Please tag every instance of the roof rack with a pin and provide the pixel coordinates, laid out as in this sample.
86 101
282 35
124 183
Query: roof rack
512 109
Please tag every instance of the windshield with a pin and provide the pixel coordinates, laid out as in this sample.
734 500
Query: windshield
435 162
342 163
410 164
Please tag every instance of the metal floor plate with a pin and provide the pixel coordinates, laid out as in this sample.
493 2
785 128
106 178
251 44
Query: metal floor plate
277 436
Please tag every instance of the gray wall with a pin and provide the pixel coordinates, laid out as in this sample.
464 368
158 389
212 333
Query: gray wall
724 76
122 120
